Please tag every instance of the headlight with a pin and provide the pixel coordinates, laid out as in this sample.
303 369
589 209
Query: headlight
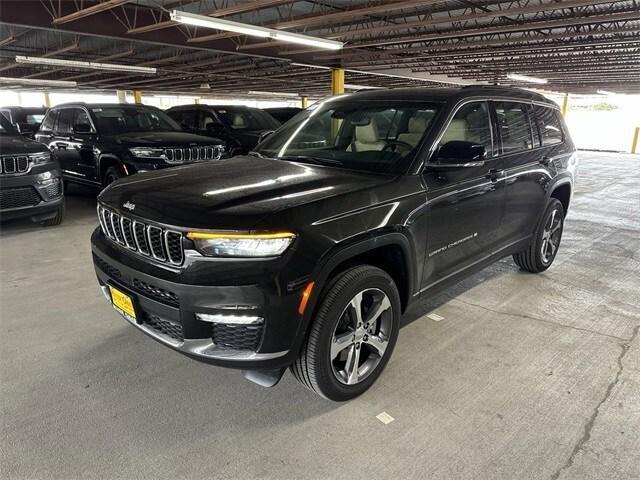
40 158
242 244
147 152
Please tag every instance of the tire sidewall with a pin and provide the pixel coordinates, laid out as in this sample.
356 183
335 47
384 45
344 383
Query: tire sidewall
554 204
329 314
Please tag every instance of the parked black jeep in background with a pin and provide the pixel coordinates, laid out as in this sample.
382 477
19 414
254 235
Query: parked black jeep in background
283 114
30 179
241 127
26 120
98 143
306 253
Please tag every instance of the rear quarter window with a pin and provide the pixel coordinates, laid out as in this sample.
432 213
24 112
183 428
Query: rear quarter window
550 126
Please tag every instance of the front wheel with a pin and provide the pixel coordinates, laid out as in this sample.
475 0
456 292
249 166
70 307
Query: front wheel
545 243
112 174
55 220
352 335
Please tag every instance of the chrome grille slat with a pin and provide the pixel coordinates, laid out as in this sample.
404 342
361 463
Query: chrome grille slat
14 164
162 244
192 154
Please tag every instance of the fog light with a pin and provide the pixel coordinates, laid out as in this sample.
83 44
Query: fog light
46 178
229 319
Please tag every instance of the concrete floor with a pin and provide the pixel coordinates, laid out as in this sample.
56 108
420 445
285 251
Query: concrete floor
525 377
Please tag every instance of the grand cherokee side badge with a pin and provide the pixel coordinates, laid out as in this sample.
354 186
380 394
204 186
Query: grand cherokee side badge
129 206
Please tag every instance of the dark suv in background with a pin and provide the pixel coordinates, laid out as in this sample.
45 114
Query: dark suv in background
26 120
241 127
306 253
30 180
98 143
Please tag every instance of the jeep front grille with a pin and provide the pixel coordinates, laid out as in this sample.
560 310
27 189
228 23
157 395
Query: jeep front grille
11 165
193 154
145 239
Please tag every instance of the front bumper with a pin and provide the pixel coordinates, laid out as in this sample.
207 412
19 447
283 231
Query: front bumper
37 194
166 310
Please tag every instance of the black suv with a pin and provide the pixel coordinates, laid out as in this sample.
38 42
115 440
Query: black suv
99 143
26 120
30 180
306 253
241 127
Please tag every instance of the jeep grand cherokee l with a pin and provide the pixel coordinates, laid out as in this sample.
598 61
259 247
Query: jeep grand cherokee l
99 143
306 253
30 180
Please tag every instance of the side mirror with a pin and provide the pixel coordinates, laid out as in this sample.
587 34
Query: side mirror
265 134
461 154
25 128
82 128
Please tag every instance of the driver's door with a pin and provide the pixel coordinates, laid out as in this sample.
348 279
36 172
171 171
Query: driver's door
465 203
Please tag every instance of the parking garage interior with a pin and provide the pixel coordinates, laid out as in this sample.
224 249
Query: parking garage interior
503 375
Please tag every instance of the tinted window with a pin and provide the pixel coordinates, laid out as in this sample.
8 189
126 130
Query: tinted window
355 135
50 120
65 120
80 117
34 118
110 120
471 123
5 127
550 125
515 129
6 114
207 119
185 118
249 119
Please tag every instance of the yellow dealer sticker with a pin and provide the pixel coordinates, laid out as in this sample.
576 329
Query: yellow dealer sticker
122 302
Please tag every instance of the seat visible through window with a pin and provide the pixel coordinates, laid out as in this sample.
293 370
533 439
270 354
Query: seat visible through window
367 138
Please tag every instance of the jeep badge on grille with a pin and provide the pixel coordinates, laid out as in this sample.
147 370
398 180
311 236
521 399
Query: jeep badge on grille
129 206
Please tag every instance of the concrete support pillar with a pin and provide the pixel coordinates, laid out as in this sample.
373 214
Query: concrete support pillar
137 96
636 139
196 101
122 96
47 100
304 102
565 104
337 81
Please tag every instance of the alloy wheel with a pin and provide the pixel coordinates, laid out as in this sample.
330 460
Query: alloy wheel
551 237
361 336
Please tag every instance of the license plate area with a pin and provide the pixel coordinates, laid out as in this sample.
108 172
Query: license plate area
123 303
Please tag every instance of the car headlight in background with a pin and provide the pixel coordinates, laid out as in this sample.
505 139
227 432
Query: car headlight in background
241 244
147 152
40 158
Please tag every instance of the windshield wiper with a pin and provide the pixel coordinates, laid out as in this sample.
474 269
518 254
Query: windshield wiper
316 160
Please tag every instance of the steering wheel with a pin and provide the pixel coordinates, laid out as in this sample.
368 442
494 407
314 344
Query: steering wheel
393 144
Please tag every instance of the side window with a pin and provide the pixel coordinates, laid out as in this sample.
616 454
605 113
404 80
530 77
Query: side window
550 125
49 122
80 117
65 120
207 119
515 129
185 118
6 114
471 123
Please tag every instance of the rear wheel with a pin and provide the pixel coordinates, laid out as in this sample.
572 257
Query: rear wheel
352 335
545 243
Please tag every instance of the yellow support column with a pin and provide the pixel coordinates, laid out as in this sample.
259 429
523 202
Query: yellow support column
636 138
137 96
304 102
337 81
47 100
196 101
565 104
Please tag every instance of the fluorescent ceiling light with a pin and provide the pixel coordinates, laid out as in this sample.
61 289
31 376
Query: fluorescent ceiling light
274 94
526 78
38 82
253 30
605 92
351 86
319 67
58 62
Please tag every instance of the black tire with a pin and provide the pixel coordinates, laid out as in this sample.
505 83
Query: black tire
57 220
532 259
112 174
314 367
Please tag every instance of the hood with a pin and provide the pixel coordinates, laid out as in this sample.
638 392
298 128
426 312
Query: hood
230 194
162 139
19 144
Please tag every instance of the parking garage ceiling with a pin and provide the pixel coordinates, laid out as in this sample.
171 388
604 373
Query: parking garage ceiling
579 46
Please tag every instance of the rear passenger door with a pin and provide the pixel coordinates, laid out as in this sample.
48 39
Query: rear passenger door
527 175
465 203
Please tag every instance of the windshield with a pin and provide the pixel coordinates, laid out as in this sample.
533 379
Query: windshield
111 120
35 116
249 119
5 127
375 136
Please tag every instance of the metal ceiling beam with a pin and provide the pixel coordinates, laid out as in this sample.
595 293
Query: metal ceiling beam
86 12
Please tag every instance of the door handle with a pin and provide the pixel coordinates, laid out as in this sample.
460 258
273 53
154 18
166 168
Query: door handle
545 161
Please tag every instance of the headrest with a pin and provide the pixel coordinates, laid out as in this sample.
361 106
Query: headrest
457 130
238 120
417 124
367 133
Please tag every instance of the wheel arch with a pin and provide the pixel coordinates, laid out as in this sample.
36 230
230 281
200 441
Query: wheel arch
107 160
562 191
